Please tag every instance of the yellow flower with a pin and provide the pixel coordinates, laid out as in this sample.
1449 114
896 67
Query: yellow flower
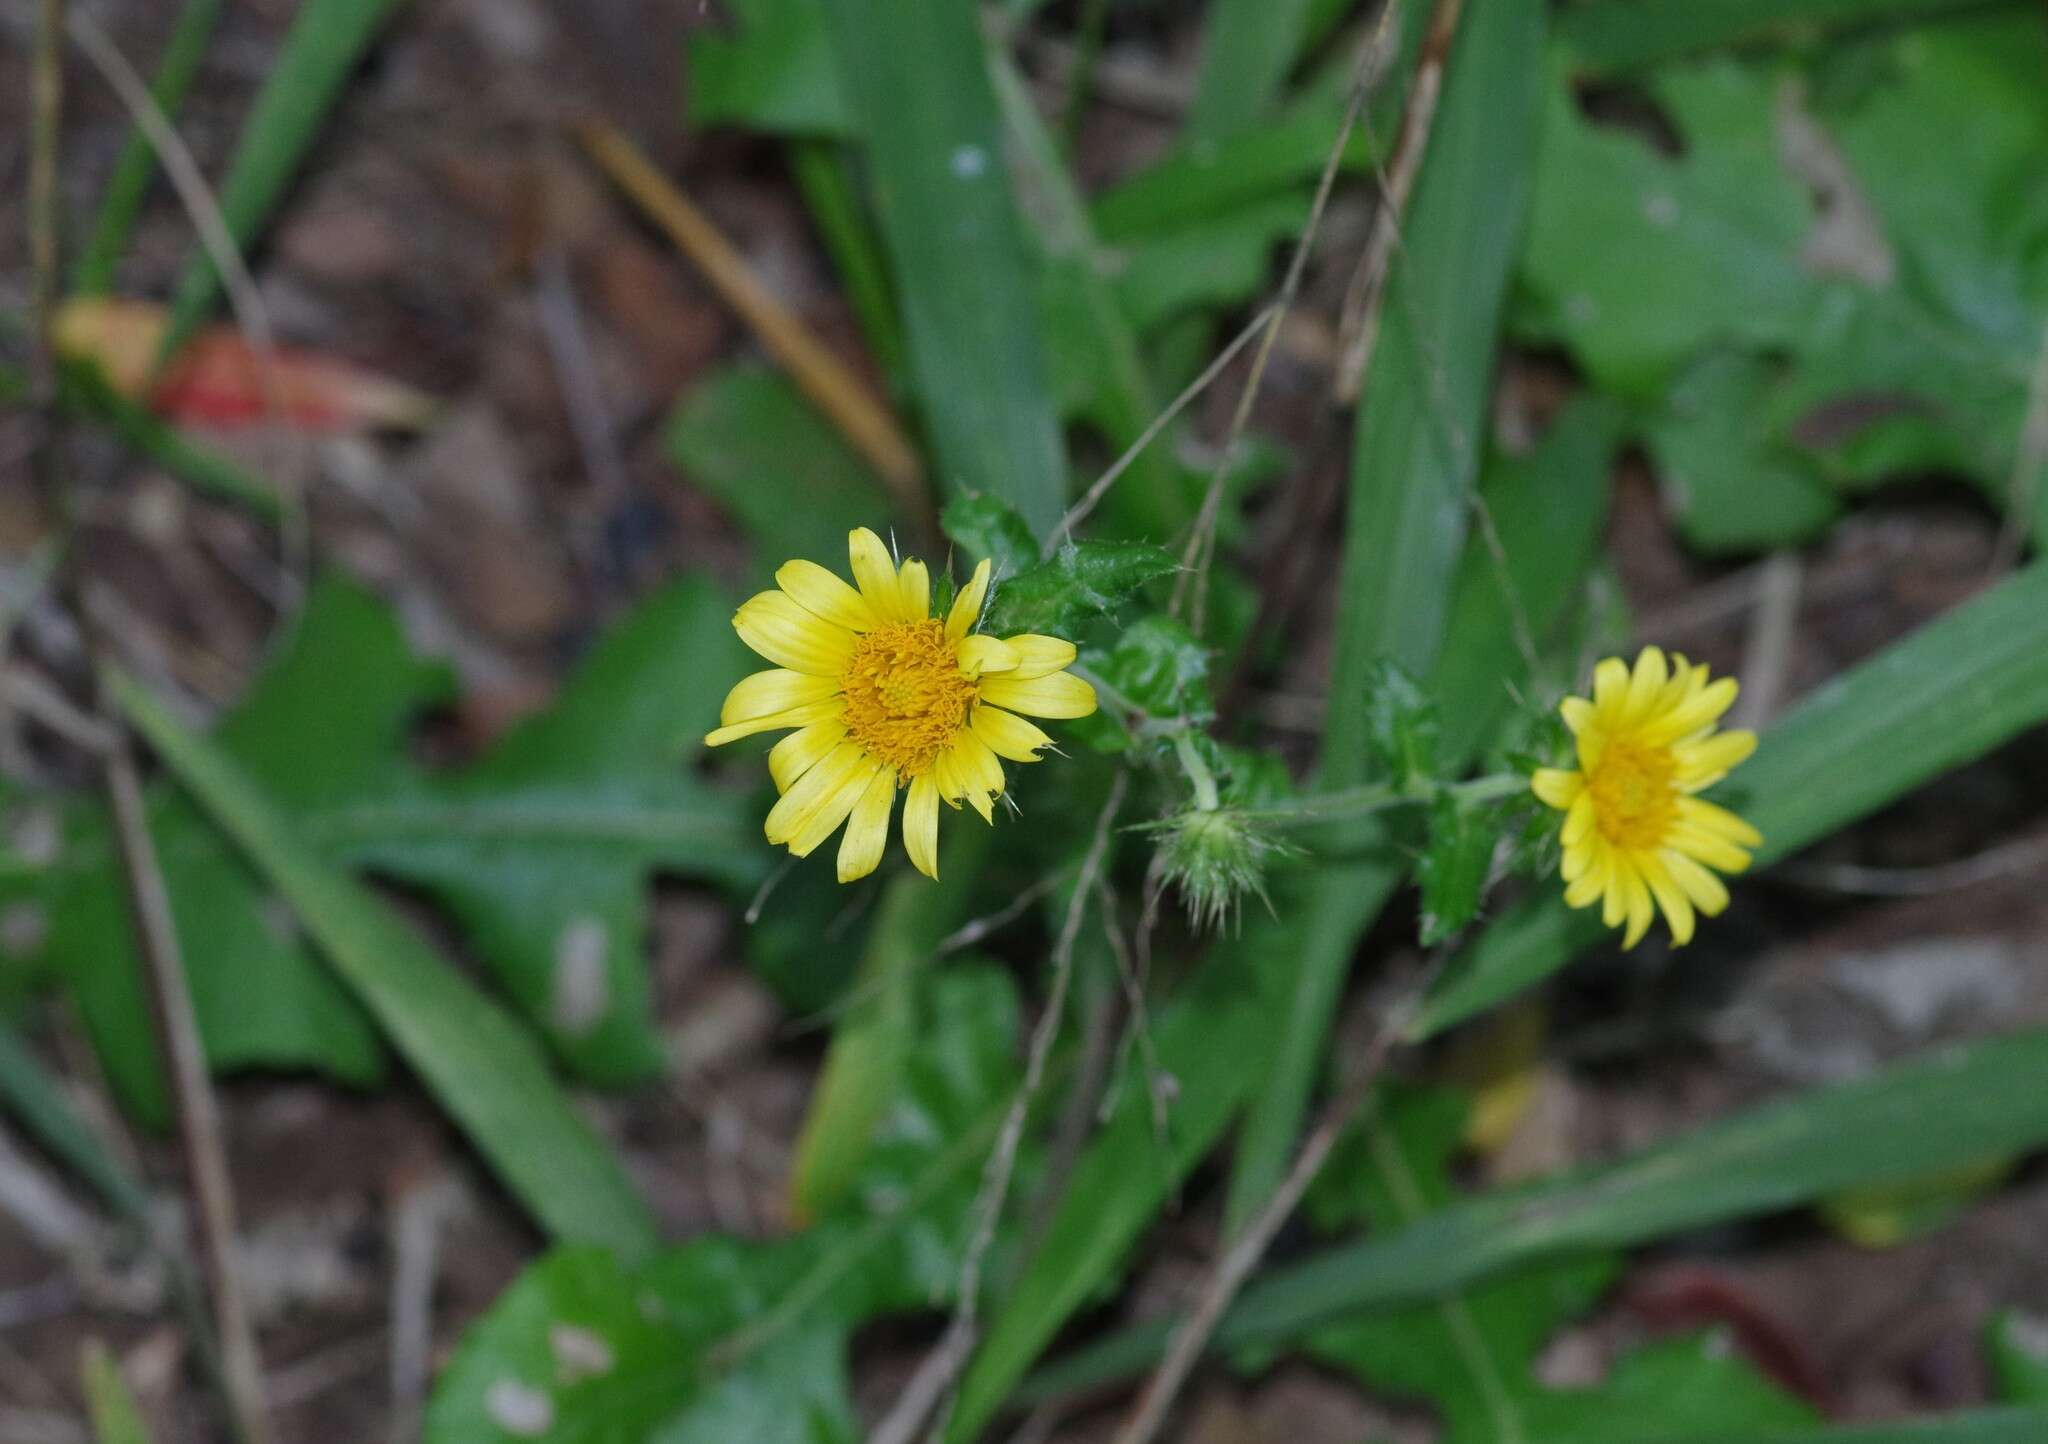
885 696
1633 829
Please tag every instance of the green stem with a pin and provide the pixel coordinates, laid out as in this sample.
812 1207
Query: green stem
1378 797
1206 799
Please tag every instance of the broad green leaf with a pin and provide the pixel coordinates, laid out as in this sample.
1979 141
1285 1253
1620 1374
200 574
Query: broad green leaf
1636 259
747 437
1247 48
916 79
541 850
1678 1386
2019 1355
1731 483
1950 692
326 42
1607 37
1415 464
126 188
1081 582
1950 1107
478 1062
1453 866
1158 664
1221 261
723 1339
985 527
1401 723
770 69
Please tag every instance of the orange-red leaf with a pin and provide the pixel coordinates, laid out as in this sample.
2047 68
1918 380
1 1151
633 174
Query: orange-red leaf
218 379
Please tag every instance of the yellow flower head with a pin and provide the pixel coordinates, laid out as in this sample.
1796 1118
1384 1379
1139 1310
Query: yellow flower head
1633 829
883 696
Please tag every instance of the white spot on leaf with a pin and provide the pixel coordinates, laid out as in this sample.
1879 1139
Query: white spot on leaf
1661 209
969 161
579 1353
36 835
519 1408
582 989
22 930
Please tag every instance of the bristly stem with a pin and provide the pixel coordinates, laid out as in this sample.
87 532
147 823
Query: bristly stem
1379 797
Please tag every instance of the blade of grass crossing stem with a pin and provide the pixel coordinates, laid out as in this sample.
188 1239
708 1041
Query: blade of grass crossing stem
917 77
1414 464
1611 37
485 1069
326 41
1150 500
1955 1106
825 177
87 395
1248 47
127 187
1948 693
34 1099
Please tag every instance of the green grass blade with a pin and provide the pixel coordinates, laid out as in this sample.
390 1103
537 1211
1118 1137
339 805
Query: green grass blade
485 1069
824 173
1414 466
1247 48
1150 499
327 39
1986 1426
115 1419
1610 37
916 75
1955 1106
1950 692
32 1096
87 395
121 202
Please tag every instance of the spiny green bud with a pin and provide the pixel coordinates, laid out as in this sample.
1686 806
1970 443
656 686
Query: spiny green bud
1214 856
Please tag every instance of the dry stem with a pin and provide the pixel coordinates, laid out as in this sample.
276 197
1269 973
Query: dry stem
935 1376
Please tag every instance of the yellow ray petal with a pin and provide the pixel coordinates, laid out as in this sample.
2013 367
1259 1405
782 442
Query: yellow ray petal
1645 684
1578 714
1671 900
1704 705
875 574
824 819
1039 656
1641 911
1719 821
826 594
776 690
915 584
967 606
979 774
979 654
785 633
1701 764
1708 893
921 825
802 750
1556 787
1058 694
802 716
813 788
1579 821
1008 735
1620 873
867 830
1610 690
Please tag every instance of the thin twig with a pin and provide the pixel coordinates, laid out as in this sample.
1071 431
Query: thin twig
934 1377
198 1116
2020 855
1191 586
832 385
252 316
1358 331
148 899
1078 512
1767 650
1141 1425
